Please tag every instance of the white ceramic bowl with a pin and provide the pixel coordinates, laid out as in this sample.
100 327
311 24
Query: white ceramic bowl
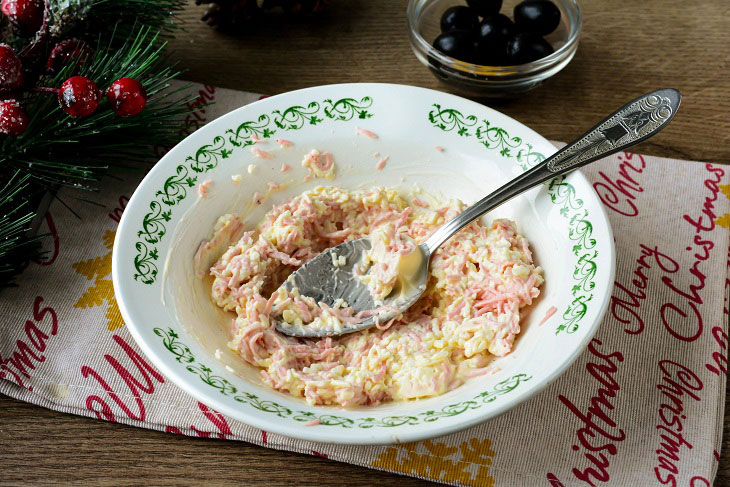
171 316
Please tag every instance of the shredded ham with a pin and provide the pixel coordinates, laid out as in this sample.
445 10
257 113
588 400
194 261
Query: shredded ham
419 202
550 312
366 133
284 143
204 187
328 162
261 154
319 165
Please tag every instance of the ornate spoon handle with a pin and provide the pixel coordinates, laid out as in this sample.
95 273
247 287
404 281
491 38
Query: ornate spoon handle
633 123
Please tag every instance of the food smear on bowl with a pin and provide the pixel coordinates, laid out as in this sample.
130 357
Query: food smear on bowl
366 133
319 165
261 154
548 314
204 187
227 229
469 314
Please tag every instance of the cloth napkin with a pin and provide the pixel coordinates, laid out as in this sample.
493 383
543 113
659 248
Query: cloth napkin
643 405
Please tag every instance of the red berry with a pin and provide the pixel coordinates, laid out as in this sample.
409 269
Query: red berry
127 97
26 14
79 96
13 119
11 70
68 51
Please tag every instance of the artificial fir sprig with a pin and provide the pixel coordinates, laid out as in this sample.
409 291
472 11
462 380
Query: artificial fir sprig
57 148
17 246
159 14
90 18
109 43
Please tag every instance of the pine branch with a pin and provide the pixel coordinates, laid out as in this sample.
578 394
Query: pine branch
74 18
59 149
159 14
17 247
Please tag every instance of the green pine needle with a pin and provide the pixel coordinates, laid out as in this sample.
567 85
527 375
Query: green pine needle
158 13
59 149
17 247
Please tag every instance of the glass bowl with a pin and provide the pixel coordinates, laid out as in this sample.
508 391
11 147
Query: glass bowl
490 81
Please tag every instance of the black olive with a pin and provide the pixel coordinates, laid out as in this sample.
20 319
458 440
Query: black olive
495 28
485 7
459 18
459 44
525 48
537 17
491 40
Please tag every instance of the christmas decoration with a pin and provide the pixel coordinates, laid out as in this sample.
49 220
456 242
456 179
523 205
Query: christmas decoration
11 69
79 96
13 119
26 14
69 53
228 14
17 197
66 52
127 97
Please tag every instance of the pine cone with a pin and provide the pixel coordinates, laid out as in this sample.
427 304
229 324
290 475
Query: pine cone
225 14
228 13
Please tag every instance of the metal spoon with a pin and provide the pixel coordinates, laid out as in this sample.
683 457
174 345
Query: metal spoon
326 282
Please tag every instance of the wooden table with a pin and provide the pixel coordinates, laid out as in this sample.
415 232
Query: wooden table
627 48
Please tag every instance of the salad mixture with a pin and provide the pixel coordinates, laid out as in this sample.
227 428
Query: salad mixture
470 312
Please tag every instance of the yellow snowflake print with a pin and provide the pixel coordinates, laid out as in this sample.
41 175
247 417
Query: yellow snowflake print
99 270
725 189
466 464
724 220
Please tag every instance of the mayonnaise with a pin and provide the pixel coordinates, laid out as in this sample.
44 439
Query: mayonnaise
408 269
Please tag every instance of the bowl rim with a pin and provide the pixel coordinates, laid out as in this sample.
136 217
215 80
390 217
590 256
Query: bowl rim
516 71
269 423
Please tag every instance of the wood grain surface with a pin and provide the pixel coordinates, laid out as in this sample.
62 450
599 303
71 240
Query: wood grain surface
627 48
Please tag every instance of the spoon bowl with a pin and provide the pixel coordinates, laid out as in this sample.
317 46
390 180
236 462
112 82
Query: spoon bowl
326 282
